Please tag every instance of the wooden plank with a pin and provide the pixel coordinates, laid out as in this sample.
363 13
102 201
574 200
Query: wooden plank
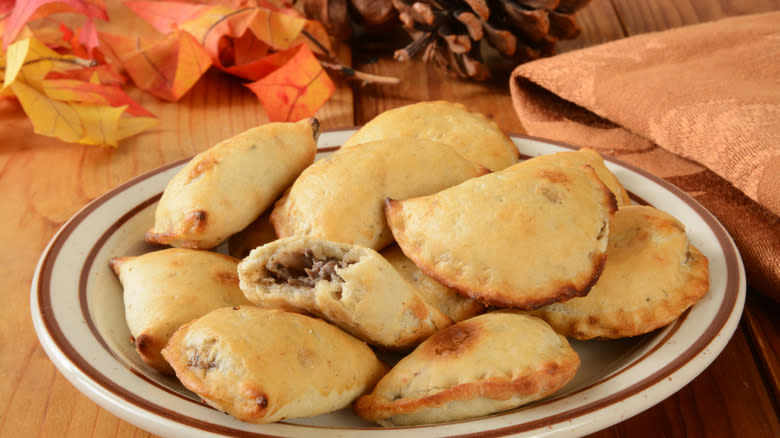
599 23
640 16
763 327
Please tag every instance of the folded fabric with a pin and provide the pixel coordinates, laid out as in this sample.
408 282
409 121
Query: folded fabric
697 105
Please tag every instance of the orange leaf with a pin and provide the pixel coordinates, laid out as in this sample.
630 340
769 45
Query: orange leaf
25 10
296 90
260 68
166 67
166 16
218 22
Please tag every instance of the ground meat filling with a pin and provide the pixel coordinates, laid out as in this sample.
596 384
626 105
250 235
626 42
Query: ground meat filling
303 269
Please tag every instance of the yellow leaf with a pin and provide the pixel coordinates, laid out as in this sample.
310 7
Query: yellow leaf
129 126
19 55
49 117
276 29
31 60
100 122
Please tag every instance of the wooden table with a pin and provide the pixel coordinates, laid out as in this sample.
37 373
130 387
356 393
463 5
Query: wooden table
44 181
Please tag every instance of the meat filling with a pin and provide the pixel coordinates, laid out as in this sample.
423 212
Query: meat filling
303 269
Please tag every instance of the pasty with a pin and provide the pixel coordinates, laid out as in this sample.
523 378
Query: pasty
341 197
224 188
591 158
266 365
350 286
471 134
449 301
167 288
653 274
490 363
522 237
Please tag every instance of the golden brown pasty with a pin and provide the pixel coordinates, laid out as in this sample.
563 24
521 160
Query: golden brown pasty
591 158
653 274
349 285
221 190
341 197
167 288
522 237
486 364
471 134
266 365
448 300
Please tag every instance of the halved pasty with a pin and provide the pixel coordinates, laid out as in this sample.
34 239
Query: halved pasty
522 237
471 134
167 288
653 274
341 197
591 158
221 190
266 365
490 363
448 300
348 285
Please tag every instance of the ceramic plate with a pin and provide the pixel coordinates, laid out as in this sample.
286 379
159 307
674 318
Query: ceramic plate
77 309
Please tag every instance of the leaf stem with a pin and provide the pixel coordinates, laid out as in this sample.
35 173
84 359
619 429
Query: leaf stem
335 65
359 75
77 61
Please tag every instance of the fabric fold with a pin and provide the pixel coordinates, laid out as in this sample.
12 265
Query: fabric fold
697 105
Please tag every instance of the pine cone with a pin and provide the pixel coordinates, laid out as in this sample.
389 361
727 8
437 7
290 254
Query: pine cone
450 32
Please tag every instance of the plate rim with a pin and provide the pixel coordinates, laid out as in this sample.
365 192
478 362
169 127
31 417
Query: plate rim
729 311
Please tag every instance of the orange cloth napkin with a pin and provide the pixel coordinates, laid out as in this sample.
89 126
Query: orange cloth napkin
698 106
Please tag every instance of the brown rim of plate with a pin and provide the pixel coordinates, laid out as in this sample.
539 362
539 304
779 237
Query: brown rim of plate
47 316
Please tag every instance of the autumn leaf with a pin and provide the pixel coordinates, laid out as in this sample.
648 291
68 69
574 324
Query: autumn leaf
25 10
58 106
166 16
70 90
296 90
49 117
166 68
32 59
276 29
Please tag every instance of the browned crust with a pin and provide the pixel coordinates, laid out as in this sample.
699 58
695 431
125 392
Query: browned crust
548 378
195 221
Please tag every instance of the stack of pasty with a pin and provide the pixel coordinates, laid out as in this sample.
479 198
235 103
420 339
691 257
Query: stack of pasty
423 235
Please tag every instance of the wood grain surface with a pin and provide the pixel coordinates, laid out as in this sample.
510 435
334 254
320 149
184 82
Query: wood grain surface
44 181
